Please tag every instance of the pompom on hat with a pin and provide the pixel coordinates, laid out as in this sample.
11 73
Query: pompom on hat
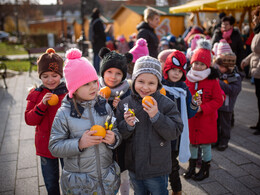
202 53
77 71
112 59
140 49
175 60
50 62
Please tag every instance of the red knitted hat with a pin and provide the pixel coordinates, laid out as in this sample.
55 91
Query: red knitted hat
202 53
175 60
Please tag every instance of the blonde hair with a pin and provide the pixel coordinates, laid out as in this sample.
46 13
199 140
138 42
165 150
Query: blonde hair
149 13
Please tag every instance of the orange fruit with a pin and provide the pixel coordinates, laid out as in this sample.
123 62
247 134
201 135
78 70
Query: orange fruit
54 100
100 130
106 91
163 91
148 99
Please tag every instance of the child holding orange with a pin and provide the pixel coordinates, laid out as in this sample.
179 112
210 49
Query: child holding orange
203 127
88 164
174 75
148 142
40 112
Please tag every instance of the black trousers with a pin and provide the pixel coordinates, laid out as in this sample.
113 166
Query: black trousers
224 127
174 177
257 92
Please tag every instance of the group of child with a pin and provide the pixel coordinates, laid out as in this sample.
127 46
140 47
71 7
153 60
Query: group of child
146 137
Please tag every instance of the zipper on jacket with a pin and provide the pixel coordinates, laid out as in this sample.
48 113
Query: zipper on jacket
96 147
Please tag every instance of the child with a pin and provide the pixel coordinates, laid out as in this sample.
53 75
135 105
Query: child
148 142
174 74
230 82
40 114
203 127
162 56
113 75
122 44
88 164
140 49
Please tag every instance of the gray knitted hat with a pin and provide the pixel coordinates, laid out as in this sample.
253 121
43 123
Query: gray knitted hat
147 64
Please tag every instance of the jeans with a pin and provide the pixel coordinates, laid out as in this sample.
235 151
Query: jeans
205 149
96 62
154 186
50 172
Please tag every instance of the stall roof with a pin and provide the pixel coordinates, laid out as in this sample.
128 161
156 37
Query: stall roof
235 4
196 5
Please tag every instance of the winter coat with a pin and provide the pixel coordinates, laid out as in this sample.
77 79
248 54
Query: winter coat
42 116
237 44
203 126
191 109
146 32
91 171
97 34
254 58
230 83
148 143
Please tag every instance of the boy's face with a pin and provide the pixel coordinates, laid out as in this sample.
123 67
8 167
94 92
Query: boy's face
199 66
222 69
146 84
88 91
112 77
51 80
175 74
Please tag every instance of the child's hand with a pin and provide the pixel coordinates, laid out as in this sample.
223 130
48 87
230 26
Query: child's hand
129 118
199 110
151 109
116 101
197 101
109 138
102 94
88 140
46 97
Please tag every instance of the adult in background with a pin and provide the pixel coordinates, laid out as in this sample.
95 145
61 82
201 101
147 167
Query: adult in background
97 36
254 61
232 36
146 30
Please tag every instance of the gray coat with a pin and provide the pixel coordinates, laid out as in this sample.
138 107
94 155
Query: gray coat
91 171
148 143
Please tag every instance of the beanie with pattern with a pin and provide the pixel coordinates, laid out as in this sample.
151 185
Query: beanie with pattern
140 49
77 71
50 62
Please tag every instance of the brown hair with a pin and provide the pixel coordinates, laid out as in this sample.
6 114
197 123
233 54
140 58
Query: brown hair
149 13
256 12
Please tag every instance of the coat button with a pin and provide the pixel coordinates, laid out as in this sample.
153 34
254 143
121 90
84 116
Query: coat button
161 144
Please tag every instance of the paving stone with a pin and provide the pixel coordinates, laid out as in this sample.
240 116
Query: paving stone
256 190
8 157
10 145
43 190
27 186
250 181
27 154
252 169
7 176
214 188
40 177
27 173
11 192
27 132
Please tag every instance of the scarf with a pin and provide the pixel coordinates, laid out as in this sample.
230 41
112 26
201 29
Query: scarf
195 76
178 92
226 35
121 89
257 28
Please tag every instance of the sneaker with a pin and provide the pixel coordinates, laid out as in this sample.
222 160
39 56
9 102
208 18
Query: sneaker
257 132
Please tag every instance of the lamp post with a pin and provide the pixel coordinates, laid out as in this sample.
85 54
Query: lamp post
62 19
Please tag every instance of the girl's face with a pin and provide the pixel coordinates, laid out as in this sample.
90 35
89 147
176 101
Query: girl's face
153 23
175 74
88 91
199 66
146 84
112 77
51 80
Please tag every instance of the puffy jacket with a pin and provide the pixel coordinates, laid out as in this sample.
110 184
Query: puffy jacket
203 126
148 143
146 32
254 58
41 115
91 171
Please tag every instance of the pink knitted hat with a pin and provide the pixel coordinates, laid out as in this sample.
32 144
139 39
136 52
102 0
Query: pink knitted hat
140 49
223 47
162 56
77 71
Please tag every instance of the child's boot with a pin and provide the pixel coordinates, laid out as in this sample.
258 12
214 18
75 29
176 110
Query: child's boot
204 171
191 170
